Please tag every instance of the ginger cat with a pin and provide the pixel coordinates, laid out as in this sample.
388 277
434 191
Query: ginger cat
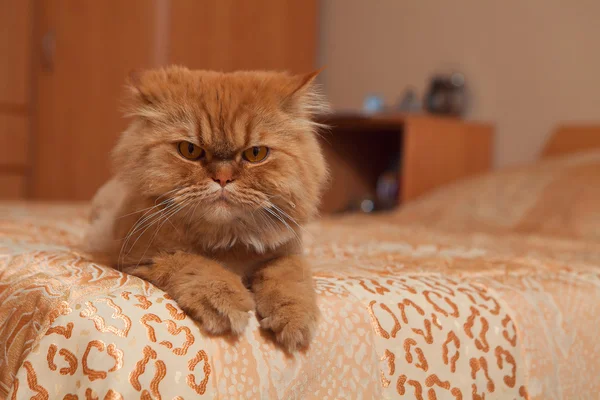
214 178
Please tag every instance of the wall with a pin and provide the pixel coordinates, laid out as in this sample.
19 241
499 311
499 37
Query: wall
529 64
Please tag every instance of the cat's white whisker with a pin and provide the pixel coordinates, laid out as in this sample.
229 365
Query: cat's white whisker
158 217
269 204
147 209
183 204
269 222
283 213
156 204
144 224
280 218
144 221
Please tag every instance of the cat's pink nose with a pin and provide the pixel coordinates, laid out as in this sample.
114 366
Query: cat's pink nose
223 177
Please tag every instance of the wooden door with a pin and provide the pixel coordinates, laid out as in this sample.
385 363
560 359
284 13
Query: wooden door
86 49
90 46
15 73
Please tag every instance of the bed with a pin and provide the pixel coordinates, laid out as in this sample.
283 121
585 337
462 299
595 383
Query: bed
488 288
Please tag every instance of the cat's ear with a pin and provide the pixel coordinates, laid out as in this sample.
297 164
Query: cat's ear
304 95
134 80
135 88
305 81
139 99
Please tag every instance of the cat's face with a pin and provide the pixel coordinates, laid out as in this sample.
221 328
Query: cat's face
236 148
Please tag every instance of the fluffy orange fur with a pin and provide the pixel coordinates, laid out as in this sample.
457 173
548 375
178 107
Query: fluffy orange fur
220 234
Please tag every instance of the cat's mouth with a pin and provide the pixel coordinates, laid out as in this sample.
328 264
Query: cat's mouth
221 208
222 202
223 197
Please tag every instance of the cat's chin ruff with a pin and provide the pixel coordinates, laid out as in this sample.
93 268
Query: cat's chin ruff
237 231
250 240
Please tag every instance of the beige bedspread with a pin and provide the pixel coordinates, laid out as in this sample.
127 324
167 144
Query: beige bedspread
408 312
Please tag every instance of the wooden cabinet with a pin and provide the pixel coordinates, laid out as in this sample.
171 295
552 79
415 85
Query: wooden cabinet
425 152
86 50
16 26
72 57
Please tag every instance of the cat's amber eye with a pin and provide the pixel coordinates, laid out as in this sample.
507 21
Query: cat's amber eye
256 154
190 151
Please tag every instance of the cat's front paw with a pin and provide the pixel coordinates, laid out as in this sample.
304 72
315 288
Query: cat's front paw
220 307
294 324
218 301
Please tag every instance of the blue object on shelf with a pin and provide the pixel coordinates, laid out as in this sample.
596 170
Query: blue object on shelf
373 104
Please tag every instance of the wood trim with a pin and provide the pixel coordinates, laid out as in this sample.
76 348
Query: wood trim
571 139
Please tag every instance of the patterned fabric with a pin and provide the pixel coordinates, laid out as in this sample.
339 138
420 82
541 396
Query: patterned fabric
407 312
